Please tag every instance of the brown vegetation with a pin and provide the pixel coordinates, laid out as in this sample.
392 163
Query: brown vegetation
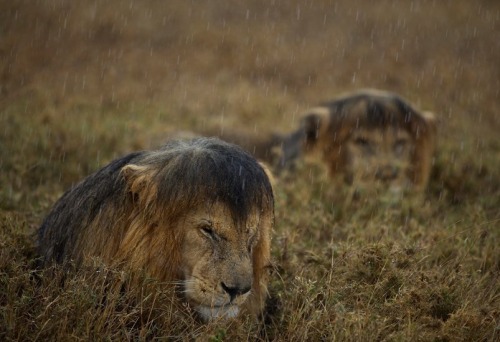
84 82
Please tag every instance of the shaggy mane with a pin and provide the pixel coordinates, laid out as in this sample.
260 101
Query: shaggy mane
376 110
182 174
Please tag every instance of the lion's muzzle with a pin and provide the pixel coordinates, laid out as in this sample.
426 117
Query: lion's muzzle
236 290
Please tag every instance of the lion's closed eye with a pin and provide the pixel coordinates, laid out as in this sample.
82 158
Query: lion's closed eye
206 228
365 145
362 141
400 145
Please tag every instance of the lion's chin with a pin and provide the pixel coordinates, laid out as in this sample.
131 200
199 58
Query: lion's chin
214 312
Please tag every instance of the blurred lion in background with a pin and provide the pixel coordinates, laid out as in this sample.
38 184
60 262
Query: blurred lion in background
197 212
369 139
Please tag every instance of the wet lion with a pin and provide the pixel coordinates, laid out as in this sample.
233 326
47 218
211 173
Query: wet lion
198 212
367 139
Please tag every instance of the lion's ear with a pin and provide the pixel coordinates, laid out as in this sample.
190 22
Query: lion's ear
313 123
269 174
430 120
138 180
426 127
305 138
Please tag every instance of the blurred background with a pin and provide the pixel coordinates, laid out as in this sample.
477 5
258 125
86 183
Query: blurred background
83 82
93 79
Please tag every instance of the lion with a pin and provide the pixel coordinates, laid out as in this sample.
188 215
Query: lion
370 137
367 139
197 212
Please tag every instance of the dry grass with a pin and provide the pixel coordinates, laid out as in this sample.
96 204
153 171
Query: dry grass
84 82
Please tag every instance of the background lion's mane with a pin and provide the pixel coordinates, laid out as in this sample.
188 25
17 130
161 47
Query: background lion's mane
328 126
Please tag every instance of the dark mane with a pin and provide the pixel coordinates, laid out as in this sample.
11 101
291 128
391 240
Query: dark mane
375 110
210 169
80 205
181 175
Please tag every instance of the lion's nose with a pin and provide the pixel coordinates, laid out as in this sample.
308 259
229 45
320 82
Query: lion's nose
387 173
235 290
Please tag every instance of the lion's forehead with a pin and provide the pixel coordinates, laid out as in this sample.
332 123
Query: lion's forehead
218 216
388 134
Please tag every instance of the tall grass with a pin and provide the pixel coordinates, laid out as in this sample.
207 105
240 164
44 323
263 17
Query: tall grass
82 83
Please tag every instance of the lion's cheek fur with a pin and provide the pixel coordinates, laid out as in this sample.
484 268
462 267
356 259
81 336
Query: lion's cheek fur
149 246
198 276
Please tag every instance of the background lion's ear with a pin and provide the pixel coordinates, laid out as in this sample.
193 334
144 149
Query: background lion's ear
429 125
430 120
137 179
312 123
428 116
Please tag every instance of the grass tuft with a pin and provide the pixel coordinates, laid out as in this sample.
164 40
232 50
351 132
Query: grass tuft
83 83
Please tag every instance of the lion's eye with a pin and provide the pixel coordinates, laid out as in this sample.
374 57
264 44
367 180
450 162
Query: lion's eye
400 142
208 231
400 145
365 145
361 141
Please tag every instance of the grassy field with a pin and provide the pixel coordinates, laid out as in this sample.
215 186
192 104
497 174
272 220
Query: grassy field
84 82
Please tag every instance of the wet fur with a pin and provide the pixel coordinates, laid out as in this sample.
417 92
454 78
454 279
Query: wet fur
127 213
326 129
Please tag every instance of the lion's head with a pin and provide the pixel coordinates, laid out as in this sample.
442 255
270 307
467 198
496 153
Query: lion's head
196 212
370 138
217 259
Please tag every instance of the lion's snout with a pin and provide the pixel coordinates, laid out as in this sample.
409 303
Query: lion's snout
238 279
235 290
387 173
